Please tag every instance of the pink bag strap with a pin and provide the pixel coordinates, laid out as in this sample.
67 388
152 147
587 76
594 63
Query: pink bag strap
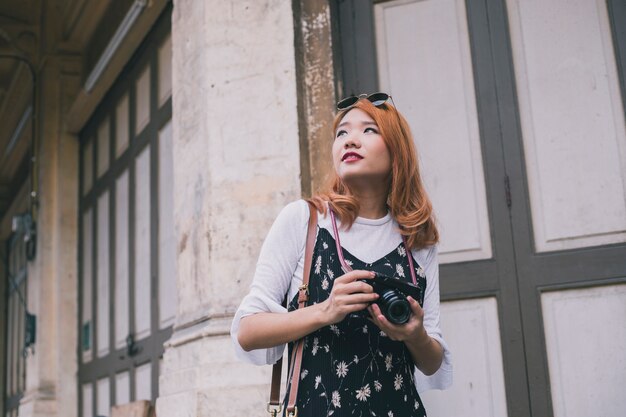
347 268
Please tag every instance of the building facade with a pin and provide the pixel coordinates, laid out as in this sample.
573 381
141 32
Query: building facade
148 145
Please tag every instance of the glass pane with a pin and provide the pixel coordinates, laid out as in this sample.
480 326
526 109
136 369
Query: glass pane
122 388
87 166
13 346
103 146
142 245
121 126
104 397
121 260
86 329
165 70
102 295
143 379
11 353
21 378
16 345
87 400
143 100
167 241
21 320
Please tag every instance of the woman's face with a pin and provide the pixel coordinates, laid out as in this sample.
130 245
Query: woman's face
360 155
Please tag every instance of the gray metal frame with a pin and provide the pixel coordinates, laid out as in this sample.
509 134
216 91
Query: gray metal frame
617 16
150 349
516 275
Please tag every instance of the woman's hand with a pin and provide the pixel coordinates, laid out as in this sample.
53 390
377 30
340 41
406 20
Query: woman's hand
348 295
412 331
427 353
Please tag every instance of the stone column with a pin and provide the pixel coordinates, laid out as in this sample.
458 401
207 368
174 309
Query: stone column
51 369
236 164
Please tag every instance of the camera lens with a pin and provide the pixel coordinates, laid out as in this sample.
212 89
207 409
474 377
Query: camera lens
394 307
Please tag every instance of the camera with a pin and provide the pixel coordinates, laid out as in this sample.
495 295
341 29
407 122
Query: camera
392 297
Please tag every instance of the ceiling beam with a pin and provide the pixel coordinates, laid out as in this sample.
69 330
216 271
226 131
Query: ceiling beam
81 18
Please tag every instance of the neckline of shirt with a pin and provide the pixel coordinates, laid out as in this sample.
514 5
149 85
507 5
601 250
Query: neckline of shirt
374 222
370 222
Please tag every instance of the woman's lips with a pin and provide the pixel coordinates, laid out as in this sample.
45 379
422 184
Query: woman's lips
351 157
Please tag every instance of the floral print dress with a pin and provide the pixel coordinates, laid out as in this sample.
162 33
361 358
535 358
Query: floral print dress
352 368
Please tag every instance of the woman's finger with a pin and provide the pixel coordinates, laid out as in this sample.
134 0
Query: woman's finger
358 298
352 287
355 275
415 307
379 317
359 286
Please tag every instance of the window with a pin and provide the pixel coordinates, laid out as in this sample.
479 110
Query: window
16 323
126 252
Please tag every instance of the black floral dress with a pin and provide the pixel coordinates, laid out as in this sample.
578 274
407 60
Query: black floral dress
352 368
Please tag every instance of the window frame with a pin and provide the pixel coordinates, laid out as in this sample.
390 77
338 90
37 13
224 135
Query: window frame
150 348
16 303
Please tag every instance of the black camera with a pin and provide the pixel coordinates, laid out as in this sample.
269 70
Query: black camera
392 295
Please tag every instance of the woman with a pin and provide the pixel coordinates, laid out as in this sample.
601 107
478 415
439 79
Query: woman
354 363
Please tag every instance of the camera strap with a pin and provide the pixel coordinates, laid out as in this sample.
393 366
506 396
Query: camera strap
347 268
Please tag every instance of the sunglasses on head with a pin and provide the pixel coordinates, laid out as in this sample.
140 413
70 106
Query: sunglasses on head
376 99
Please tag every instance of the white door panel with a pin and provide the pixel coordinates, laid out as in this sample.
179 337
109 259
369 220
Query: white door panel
586 343
424 62
472 331
572 122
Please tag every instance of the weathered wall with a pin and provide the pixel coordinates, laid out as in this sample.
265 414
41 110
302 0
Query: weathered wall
236 163
316 90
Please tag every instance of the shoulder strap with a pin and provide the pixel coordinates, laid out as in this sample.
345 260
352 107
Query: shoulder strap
273 406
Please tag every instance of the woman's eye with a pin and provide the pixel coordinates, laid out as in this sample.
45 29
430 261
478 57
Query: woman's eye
341 133
371 129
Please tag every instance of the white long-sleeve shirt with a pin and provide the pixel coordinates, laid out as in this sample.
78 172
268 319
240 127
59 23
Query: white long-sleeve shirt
280 268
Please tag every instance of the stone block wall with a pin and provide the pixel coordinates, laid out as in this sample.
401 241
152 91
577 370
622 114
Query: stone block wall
236 164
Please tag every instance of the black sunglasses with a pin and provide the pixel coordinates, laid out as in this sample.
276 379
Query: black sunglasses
376 99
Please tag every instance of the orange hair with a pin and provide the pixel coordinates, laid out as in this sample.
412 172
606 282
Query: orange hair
407 199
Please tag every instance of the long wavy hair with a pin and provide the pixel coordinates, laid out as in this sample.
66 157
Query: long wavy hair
407 199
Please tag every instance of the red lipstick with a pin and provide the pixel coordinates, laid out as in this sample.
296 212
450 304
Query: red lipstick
351 156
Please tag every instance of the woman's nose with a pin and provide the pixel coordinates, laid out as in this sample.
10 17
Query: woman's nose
352 141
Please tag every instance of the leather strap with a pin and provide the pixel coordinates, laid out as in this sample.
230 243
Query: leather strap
275 388
296 354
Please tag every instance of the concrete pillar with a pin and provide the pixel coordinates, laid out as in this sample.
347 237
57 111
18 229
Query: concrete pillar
236 164
51 369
